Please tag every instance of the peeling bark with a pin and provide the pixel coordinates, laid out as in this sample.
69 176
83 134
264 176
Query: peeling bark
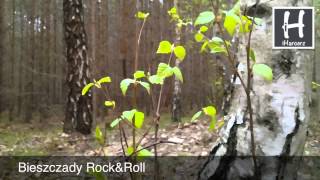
280 112
79 108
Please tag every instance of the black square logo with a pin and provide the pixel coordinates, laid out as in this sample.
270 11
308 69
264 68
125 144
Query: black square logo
293 28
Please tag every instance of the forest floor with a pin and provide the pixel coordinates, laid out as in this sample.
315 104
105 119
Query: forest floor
47 139
193 139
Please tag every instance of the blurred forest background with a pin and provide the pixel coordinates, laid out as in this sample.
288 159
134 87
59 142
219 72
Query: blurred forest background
33 62
33 65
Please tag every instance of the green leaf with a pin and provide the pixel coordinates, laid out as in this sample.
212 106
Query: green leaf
142 15
129 114
204 18
252 55
218 49
315 85
164 70
177 73
99 136
165 47
86 88
220 124
263 71
115 122
216 46
139 74
236 8
106 79
203 29
145 85
125 84
144 153
258 21
180 52
155 79
210 111
173 13
204 46
246 25
217 40
213 122
230 22
196 116
129 151
138 119
110 104
198 37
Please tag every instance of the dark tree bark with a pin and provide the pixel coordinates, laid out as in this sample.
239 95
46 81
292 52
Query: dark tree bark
2 24
12 84
79 108
281 113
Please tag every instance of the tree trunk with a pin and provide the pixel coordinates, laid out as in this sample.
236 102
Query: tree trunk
280 113
2 24
12 84
176 99
79 108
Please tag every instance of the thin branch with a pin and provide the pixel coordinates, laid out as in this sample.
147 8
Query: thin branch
249 103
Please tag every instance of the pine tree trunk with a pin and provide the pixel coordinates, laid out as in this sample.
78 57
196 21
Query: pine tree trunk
2 24
79 108
280 113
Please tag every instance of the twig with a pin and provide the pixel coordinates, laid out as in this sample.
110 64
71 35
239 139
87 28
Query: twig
249 103
154 144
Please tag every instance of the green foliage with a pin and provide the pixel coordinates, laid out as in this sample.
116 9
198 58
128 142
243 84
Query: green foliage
98 83
87 88
110 104
196 116
99 136
203 29
213 123
129 114
164 71
124 85
138 119
209 111
145 85
315 85
115 122
231 21
176 71
137 115
106 79
180 52
142 15
198 37
252 55
246 24
216 45
141 152
204 18
145 153
138 75
173 13
263 71
165 47
155 79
